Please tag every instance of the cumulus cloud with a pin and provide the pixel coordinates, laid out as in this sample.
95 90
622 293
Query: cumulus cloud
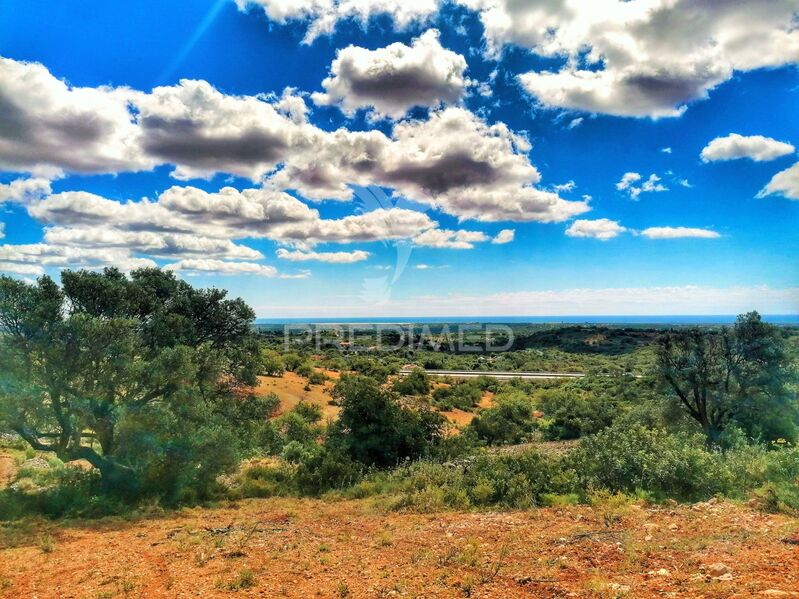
631 183
396 78
453 160
154 243
32 258
504 236
330 257
455 240
203 131
640 59
24 190
198 266
323 15
784 183
44 120
225 215
678 233
601 228
754 147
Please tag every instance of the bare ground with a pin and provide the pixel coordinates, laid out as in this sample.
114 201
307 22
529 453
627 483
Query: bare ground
311 548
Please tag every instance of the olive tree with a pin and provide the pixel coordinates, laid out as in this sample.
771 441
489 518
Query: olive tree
144 376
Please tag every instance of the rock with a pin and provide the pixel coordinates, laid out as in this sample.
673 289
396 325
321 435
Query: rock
718 569
724 577
661 572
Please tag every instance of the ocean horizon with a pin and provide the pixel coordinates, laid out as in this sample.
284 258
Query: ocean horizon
680 319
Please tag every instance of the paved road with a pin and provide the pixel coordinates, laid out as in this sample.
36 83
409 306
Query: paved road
470 374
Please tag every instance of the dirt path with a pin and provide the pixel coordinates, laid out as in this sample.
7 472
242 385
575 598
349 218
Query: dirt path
304 548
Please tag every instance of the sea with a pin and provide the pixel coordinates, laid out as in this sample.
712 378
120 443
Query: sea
661 320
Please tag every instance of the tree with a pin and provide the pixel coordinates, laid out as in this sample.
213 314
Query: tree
141 376
509 421
374 429
735 376
415 383
272 363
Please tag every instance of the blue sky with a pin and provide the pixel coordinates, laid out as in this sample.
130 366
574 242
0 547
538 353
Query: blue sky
429 158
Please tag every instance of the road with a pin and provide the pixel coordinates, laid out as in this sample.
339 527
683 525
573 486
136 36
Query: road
503 376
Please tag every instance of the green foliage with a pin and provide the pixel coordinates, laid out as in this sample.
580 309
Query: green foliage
570 413
135 374
272 363
374 429
463 395
636 458
415 383
510 421
511 481
737 376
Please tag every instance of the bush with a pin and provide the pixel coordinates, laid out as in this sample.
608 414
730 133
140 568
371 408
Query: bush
324 469
510 421
376 430
570 413
463 396
511 481
638 459
415 383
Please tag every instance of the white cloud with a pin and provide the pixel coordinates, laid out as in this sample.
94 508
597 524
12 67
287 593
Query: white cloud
666 150
575 122
568 186
197 266
754 147
330 257
678 233
453 160
203 131
154 243
444 238
396 78
46 255
601 228
324 15
629 183
645 58
2 230
785 183
45 120
648 58
22 191
228 214
504 236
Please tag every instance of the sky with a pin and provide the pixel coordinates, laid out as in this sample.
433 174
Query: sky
337 158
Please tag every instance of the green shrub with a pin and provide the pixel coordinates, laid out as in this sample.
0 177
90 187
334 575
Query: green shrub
463 396
510 421
651 460
415 383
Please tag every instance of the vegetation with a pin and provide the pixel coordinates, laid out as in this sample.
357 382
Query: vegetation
139 376
151 382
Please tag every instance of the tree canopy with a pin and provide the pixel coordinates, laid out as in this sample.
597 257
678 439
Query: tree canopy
739 376
140 375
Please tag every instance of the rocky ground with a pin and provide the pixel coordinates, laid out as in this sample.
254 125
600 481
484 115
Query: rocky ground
312 548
